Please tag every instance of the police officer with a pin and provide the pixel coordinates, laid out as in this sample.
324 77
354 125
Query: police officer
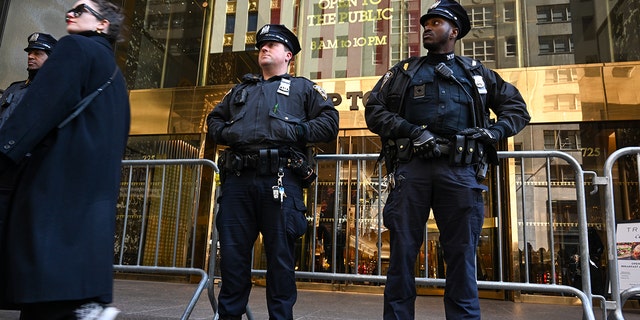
38 50
266 121
432 114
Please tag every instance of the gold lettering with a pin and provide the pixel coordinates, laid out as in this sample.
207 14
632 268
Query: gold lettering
357 16
321 19
332 4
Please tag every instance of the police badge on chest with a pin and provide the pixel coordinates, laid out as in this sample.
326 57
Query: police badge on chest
284 87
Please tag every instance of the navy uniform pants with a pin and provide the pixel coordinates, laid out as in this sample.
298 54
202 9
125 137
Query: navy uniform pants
455 197
246 208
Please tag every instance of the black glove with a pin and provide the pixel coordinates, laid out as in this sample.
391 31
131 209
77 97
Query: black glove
301 132
424 143
484 135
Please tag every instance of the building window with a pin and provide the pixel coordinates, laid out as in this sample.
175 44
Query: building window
340 73
509 12
483 50
406 25
561 102
252 23
317 53
562 173
410 25
377 27
511 47
556 44
315 75
376 57
554 13
561 75
481 17
395 54
562 140
230 24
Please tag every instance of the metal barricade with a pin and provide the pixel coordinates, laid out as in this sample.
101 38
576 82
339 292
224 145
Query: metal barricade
158 212
360 162
618 298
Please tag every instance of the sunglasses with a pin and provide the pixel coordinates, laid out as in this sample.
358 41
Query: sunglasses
82 8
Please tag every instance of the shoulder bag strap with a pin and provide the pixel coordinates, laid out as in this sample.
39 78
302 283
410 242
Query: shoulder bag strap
86 100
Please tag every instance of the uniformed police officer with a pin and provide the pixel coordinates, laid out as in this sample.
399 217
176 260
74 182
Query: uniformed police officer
38 50
432 114
266 121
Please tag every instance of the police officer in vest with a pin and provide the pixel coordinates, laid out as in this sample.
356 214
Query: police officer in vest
267 122
432 114
38 50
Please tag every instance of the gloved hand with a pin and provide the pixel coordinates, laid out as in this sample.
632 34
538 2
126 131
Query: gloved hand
484 135
424 143
301 132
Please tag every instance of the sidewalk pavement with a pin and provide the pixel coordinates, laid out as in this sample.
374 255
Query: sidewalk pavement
152 300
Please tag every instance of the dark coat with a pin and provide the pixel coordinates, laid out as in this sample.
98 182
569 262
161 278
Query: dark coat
60 229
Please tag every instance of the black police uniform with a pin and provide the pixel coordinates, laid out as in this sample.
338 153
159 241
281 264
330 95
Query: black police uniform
452 191
8 102
11 97
266 123
413 94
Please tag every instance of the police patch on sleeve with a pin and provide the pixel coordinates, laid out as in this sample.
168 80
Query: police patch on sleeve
320 91
386 78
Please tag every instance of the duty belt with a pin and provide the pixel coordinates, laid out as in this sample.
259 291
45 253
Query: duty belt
444 148
265 161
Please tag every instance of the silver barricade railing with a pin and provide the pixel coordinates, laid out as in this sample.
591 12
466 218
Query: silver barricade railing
157 215
619 298
380 183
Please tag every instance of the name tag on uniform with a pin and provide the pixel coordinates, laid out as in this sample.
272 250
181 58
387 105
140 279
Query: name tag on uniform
284 87
480 84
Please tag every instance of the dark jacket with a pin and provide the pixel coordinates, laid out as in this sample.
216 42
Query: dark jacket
60 230
384 118
11 97
254 113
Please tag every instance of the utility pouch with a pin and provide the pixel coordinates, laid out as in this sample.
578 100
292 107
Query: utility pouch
481 169
479 154
263 162
458 150
470 151
388 155
222 165
268 162
274 161
404 149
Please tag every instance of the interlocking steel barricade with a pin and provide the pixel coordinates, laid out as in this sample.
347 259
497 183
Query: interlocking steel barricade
158 212
378 181
618 298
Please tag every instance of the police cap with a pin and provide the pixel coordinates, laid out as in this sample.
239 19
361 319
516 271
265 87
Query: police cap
278 33
451 10
41 41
